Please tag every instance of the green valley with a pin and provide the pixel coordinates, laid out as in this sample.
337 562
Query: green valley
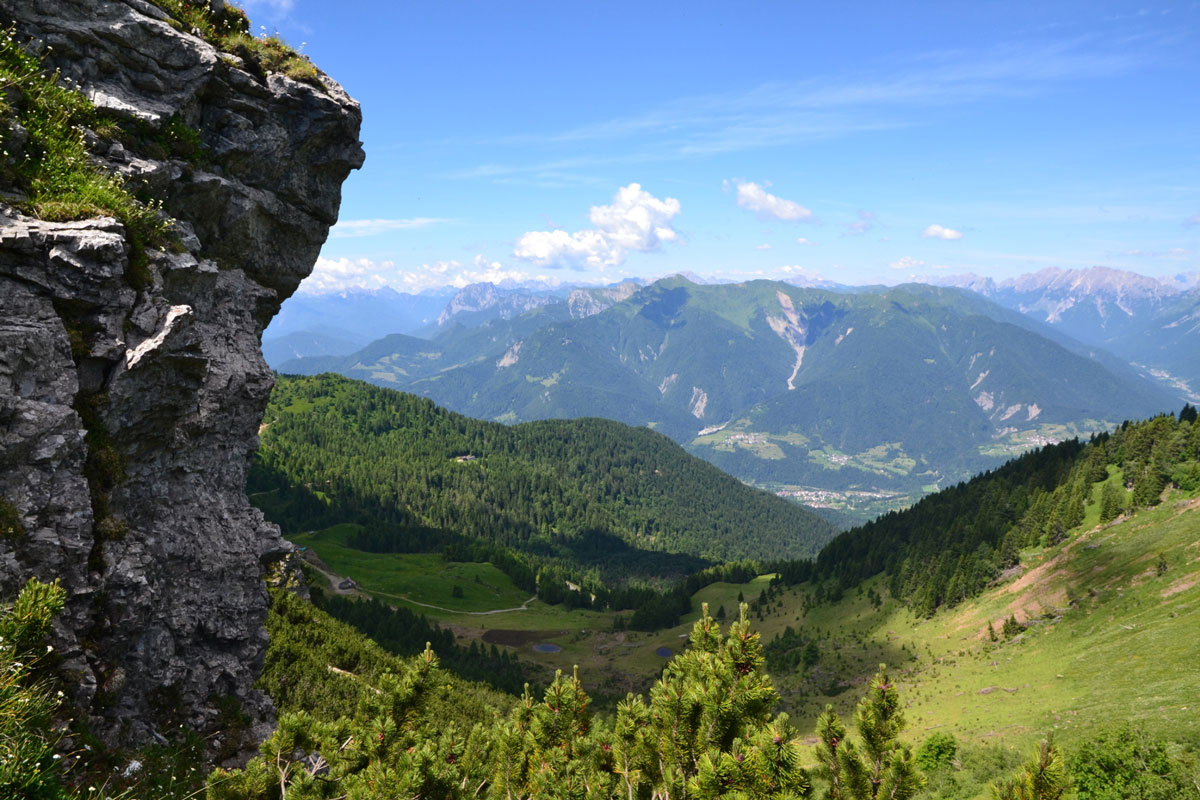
1084 578
949 382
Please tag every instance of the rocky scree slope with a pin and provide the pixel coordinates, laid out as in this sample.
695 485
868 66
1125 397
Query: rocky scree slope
130 398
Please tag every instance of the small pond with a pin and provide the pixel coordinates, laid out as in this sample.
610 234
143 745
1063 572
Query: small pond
664 652
546 647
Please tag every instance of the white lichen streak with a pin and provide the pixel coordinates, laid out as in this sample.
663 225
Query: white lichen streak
132 357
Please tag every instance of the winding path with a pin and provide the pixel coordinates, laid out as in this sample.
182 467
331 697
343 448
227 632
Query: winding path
523 607
335 579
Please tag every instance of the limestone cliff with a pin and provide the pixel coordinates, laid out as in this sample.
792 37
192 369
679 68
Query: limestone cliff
129 408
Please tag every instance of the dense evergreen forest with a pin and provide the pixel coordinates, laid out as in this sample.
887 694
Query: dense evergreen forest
543 487
952 544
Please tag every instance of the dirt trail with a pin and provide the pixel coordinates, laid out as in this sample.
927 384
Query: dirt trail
523 607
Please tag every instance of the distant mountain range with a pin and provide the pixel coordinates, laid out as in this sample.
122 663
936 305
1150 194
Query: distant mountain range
859 400
1146 321
336 324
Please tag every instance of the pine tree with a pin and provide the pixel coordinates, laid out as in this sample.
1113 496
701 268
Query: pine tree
1147 487
706 731
879 766
1112 502
1097 463
1043 778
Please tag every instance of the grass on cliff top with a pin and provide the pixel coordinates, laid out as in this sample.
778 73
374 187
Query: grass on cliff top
43 154
229 30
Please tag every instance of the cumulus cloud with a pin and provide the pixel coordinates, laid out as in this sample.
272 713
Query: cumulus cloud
797 271
907 262
637 221
354 228
763 246
805 242
767 206
344 274
340 274
864 223
939 232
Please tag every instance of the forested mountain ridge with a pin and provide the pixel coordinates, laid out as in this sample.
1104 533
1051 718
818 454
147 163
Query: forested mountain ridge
951 545
531 486
772 382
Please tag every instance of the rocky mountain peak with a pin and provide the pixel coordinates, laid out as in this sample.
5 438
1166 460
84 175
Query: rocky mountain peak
1111 284
507 303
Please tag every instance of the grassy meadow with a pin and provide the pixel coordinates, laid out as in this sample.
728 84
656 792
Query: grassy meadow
1110 622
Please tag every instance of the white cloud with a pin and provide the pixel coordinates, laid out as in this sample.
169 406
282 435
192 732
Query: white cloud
354 228
907 262
342 274
336 275
864 223
805 242
797 270
637 221
763 246
767 206
938 232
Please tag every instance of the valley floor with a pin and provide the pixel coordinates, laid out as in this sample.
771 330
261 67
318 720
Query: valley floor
1109 621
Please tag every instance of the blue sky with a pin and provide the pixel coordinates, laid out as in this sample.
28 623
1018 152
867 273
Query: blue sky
857 142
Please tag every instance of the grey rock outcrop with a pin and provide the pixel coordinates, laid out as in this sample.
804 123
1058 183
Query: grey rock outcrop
130 401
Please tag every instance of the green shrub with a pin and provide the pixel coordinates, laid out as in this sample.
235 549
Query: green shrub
937 752
1125 763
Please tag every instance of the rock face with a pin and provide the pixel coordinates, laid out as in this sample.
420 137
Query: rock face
129 409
